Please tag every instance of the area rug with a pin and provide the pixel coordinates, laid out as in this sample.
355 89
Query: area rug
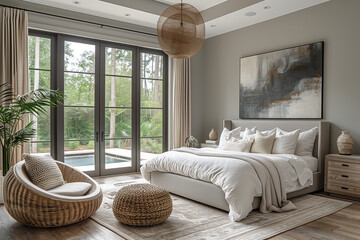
192 220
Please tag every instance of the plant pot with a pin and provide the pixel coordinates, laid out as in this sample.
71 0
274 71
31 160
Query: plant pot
1 187
345 143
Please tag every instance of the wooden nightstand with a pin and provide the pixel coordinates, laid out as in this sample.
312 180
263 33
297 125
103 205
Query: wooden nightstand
209 145
342 174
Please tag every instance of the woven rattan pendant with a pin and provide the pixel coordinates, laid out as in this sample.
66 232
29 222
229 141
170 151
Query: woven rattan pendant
181 30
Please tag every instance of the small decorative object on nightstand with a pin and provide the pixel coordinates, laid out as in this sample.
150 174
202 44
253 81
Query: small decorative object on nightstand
342 175
213 135
345 143
191 142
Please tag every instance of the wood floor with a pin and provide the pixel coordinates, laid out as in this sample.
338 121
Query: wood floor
344 224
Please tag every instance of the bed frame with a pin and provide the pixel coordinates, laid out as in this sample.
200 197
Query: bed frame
213 195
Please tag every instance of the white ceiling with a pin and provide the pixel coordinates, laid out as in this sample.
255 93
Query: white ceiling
199 4
221 16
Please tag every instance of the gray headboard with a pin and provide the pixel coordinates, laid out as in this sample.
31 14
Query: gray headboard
321 147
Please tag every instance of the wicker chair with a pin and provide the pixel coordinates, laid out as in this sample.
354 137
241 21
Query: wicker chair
35 207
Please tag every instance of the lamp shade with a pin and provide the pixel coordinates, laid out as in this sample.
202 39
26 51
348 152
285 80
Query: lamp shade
181 30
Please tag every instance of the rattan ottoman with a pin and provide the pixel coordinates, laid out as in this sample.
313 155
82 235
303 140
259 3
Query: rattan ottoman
142 205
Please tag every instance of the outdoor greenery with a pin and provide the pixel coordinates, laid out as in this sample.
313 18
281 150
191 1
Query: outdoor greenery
79 88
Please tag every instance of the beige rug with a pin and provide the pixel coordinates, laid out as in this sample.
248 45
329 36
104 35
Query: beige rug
192 220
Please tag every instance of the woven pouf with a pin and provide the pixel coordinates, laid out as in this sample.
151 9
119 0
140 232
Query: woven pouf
142 205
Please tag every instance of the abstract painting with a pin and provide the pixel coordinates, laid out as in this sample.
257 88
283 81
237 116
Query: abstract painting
283 84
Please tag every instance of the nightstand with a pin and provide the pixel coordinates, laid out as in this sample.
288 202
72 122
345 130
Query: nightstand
209 145
342 174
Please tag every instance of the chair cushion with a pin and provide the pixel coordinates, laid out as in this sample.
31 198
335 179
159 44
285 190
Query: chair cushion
72 189
43 171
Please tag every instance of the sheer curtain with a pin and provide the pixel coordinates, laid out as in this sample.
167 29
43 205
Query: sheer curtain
14 57
181 102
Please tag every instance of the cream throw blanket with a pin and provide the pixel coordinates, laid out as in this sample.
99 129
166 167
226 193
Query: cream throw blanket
242 176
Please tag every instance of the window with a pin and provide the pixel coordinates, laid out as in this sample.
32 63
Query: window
115 107
151 104
40 77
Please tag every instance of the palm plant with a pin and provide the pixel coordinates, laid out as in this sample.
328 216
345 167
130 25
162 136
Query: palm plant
12 112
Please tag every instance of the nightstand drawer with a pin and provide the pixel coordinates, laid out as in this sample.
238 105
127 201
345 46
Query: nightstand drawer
344 177
343 188
343 166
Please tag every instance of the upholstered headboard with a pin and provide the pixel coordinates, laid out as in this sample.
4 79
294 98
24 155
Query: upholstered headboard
321 147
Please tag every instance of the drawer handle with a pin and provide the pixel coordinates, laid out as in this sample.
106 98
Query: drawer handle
344 176
345 188
345 165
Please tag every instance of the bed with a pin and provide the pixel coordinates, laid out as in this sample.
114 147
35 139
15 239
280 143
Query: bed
210 194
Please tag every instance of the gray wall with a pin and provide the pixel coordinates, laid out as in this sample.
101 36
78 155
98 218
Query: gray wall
215 70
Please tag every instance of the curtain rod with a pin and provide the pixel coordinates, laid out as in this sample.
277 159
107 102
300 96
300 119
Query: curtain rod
79 20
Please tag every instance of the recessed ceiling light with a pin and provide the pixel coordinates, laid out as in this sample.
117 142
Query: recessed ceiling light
267 7
213 25
127 14
250 14
76 2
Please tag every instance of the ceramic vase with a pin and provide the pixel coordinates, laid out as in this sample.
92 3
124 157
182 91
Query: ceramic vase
345 143
213 135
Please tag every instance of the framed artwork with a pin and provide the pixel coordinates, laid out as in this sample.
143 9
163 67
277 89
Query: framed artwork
286 83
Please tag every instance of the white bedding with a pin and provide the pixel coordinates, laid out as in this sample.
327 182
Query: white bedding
313 162
236 177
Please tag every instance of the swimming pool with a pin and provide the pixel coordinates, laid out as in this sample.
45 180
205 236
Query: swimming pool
88 160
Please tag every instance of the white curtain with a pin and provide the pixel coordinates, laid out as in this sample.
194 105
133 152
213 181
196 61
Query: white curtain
181 102
14 57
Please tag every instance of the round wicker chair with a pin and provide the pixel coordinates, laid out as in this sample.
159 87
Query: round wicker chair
35 207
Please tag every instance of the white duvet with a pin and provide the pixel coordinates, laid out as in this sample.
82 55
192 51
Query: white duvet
236 177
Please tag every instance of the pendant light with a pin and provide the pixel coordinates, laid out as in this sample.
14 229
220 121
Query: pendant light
181 30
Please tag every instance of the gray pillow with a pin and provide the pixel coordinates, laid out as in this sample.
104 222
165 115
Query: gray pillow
43 171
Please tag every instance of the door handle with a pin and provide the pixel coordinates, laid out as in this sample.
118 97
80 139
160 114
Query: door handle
102 136
97 136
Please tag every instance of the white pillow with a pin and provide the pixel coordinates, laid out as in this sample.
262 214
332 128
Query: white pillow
72 189
285 143
240 145
268 132
252 132
226 134
305 143
262 143
249 131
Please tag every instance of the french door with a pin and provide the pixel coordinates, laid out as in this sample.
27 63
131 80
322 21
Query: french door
114 115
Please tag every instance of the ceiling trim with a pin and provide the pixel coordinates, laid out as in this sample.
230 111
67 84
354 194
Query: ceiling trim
225 8
153 7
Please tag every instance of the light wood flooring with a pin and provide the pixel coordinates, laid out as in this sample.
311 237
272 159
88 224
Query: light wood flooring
344 224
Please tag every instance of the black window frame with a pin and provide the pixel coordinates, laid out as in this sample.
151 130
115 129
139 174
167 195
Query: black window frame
57 83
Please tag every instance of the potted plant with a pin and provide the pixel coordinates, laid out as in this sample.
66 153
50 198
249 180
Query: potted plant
12 111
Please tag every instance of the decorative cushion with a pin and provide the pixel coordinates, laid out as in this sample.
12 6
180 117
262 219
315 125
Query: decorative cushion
240 145
285 143
248 131
305 143
269 132
72 189
43 171
262 143
226 134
